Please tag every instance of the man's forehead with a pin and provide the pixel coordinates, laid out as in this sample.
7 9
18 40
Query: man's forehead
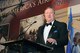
49 10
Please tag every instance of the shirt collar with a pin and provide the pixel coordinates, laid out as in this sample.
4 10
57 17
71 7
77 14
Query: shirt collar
52 22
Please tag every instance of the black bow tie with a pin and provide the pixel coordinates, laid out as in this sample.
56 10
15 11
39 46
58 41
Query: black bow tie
48 24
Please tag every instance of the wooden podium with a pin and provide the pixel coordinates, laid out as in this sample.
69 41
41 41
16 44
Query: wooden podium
26 46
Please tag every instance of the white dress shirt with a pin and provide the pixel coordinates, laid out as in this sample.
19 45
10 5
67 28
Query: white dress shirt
46 31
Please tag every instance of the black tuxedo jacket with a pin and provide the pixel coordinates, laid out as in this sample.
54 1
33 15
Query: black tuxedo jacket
58 32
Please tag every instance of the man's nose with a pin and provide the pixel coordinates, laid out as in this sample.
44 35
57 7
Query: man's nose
49 14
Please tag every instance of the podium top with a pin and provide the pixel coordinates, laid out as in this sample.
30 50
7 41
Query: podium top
33 44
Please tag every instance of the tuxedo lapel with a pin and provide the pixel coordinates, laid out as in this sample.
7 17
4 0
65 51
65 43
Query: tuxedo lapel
53 28
52 32
42 36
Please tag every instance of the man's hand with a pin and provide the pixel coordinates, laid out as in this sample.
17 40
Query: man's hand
51 40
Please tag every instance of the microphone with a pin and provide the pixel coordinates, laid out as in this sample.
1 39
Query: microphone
29 25
34 22
27 28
